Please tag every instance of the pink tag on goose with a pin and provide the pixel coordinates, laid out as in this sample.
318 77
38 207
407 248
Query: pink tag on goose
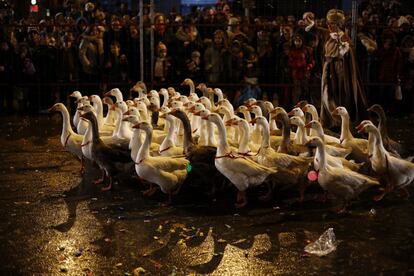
312 175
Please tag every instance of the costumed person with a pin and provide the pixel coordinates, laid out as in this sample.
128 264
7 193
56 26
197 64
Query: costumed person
341 83
162 64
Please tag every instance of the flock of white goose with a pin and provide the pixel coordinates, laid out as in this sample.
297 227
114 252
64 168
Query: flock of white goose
174 136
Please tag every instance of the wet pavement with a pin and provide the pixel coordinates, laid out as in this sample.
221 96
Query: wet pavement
54 221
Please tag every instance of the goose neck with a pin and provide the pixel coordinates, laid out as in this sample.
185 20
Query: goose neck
345 131
223 147
145 148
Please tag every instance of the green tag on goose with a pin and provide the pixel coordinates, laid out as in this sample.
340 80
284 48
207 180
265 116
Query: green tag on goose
189 167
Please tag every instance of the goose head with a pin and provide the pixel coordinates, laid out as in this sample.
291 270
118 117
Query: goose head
308 108
231 122
86 108
296 120
259 120
250 101
367 127
154 103
116 93
121 106
165 110
177 105
197 108
242 109
297 111
301 104
314 142
218 92
95 99
277 111
205 101
171 91
131 118
144 126
130 103
83 100
108 101
183 99
163 92
377 109
313 124
269 106
57 107
88 116
153 93
257 111
362 125
341 111
193 97
187 81
76 95
132 110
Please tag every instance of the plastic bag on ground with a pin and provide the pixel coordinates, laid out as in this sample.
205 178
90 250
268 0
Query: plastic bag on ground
324 245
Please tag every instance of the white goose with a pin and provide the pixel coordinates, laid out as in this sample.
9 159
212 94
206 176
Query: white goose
70 140
241 171
168 147
255 136
246 148
272 123
77 95
82 124
328 139
168 173
115 92
337 151
359 146
97 104
110 115
301 138
122 130
398 173
342 183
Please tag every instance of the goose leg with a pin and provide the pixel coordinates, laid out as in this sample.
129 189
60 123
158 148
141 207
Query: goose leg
404 193
388 188
151 190
101 180
109 187
268 196
241 199
82 169
169 200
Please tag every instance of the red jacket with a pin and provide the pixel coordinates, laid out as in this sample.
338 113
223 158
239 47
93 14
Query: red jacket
300 63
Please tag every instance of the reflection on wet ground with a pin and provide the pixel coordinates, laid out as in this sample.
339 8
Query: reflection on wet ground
54 221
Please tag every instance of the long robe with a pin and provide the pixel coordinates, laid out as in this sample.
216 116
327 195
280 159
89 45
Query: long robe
341 81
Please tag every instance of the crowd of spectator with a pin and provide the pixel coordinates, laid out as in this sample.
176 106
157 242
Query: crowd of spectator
88 48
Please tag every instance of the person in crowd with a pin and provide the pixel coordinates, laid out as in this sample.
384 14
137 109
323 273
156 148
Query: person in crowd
300 61
266 60
389 72
115 68
162 67
68 65
90 55
213 57
132 53
187 40
115 33
45 62
193 66
7 70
